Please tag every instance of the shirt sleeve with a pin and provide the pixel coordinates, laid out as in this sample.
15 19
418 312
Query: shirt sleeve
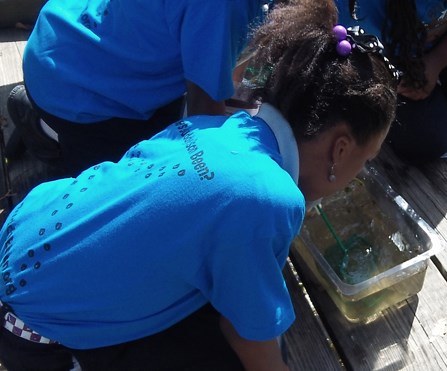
245 284
212 34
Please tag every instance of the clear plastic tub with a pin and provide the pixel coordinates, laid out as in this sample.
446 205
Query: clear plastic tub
393 263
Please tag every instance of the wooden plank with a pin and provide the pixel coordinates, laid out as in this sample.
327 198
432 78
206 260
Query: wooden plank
12 44
307 342
427 195
410 337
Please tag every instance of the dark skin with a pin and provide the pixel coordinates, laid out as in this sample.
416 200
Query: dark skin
254 355
200 103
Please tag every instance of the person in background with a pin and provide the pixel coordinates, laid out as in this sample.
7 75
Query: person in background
172 257
414 35
20 14
102 75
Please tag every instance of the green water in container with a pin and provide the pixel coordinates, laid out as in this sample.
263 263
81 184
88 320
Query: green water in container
375 241
369 241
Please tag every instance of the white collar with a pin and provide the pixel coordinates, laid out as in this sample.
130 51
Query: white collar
288 147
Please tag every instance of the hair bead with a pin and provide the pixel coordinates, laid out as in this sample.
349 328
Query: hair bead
343 48
340 32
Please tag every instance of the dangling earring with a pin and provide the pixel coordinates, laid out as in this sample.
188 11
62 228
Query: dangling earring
331 176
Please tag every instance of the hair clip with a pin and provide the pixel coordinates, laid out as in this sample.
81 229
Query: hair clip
355 37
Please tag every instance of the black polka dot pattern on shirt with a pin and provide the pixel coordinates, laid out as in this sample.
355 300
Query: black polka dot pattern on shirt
35 258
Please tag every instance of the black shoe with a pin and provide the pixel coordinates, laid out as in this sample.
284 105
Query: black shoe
27 122
14 147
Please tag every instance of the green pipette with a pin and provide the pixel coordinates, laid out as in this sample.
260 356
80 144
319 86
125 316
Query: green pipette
331 229
353 262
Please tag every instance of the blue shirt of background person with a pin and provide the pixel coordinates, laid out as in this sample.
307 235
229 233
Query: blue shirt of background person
128 58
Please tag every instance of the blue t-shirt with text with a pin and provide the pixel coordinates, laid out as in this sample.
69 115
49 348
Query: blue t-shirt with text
203 212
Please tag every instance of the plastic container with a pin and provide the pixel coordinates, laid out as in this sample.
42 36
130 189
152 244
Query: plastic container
401 244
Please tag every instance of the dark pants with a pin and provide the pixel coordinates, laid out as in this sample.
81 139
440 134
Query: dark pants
194 344
419 133
84 145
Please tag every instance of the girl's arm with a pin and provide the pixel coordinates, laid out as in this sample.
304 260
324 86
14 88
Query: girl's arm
254 355
200 103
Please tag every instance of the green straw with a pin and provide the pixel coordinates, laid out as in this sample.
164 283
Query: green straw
331 228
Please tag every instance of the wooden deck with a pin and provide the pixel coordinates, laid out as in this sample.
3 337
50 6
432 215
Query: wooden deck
411 337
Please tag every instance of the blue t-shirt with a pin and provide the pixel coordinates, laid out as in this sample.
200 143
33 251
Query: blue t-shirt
202 212
90 60
372 14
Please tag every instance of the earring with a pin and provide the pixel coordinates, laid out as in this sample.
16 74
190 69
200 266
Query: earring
331 176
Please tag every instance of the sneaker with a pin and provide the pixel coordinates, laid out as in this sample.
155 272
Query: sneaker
14 147
27 123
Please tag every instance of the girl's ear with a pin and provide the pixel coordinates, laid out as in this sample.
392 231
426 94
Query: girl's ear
342 148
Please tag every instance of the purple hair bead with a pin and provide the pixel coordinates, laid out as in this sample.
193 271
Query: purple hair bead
344 48
340 32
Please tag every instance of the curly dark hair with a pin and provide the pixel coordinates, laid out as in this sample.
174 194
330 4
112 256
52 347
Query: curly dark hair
404 36
313 86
